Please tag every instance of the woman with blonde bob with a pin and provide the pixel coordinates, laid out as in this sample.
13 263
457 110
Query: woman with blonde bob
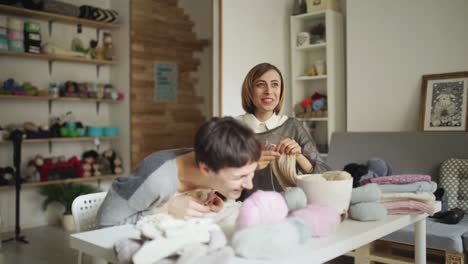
262 100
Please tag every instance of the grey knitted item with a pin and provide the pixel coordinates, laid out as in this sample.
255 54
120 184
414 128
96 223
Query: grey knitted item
372 211
295 198
367 193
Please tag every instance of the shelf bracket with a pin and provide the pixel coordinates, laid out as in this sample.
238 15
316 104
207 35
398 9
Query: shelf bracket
98 30
50 106
98 68
98 104
50 147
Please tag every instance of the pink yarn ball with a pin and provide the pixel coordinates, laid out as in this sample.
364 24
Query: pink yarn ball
322 220
262 207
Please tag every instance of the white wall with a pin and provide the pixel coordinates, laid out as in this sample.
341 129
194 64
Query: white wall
200 12
36 71
253 32
390 45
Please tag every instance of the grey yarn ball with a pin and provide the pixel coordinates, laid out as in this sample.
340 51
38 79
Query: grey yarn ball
295 198
379 166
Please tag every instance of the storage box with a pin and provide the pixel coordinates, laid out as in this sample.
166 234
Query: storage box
3 44
319 5
16 45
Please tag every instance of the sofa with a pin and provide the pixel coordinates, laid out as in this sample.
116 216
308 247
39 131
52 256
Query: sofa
409 152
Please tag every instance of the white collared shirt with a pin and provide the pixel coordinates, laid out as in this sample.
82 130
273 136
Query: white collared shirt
259 127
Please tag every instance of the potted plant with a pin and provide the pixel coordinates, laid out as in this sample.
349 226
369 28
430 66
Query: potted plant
64 194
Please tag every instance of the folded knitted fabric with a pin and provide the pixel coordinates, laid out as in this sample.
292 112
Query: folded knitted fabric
268 241
126 248
398 179
195 254
393 197
366 193
416 187
422 207
369 211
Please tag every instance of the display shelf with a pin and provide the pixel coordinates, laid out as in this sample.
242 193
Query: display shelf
50 98
35 184
332 83
312 47
311 78
59 139
310 16
51 17
55 57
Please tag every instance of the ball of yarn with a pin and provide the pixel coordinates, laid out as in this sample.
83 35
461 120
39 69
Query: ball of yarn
379 166
357 171
262 207
295 198
322 220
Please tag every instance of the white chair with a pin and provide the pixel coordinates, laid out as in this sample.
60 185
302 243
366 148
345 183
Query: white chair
84 211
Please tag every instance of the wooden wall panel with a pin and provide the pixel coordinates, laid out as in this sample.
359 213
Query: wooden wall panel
160 30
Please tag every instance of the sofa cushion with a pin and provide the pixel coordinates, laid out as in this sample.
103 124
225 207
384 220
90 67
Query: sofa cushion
454 179
438 236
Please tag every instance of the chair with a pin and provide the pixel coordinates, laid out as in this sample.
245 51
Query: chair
84 211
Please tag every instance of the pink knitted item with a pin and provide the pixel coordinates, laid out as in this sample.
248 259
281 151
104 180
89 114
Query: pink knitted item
397 179
322 220
262 208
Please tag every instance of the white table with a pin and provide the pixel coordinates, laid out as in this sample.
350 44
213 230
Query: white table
351 235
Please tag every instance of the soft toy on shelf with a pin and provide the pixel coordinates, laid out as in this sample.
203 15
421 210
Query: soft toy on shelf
115 161
88 159
7 176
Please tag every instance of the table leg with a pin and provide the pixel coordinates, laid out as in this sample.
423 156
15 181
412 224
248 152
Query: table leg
420 242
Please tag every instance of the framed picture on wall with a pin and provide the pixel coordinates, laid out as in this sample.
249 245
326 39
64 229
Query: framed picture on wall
444 102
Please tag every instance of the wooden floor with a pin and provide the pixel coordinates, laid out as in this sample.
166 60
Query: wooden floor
47 245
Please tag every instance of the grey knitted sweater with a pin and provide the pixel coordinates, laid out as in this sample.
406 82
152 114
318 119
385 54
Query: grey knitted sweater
294 129
150 185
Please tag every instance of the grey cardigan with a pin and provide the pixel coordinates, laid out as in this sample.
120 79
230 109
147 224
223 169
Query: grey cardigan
149 186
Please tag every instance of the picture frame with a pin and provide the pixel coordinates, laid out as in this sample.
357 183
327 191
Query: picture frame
444 102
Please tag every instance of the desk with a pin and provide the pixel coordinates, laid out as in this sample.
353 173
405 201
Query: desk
350 235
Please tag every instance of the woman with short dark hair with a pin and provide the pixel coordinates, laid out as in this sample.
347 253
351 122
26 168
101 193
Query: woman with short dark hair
223 160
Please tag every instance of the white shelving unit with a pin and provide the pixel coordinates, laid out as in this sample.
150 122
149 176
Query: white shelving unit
332 83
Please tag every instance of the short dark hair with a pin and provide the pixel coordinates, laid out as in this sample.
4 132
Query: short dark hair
249 83
224 142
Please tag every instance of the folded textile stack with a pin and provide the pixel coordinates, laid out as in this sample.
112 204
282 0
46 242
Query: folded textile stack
407 193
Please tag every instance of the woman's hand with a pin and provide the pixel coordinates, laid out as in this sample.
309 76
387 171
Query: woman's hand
214 202
288 146
186 206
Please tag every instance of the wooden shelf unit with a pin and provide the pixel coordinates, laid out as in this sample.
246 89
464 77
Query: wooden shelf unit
35 184
51 17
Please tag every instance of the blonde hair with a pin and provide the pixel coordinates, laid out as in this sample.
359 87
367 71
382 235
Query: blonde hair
248 86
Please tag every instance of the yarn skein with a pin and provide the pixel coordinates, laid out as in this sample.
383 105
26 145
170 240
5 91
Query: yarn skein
322 220
262 207
284 169
295 198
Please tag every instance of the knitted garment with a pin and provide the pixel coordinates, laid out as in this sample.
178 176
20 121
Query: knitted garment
149 186
416 187
398 179
294 129
411 205
393 197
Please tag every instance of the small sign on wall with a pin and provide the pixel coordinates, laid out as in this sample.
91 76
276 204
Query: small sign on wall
165 81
